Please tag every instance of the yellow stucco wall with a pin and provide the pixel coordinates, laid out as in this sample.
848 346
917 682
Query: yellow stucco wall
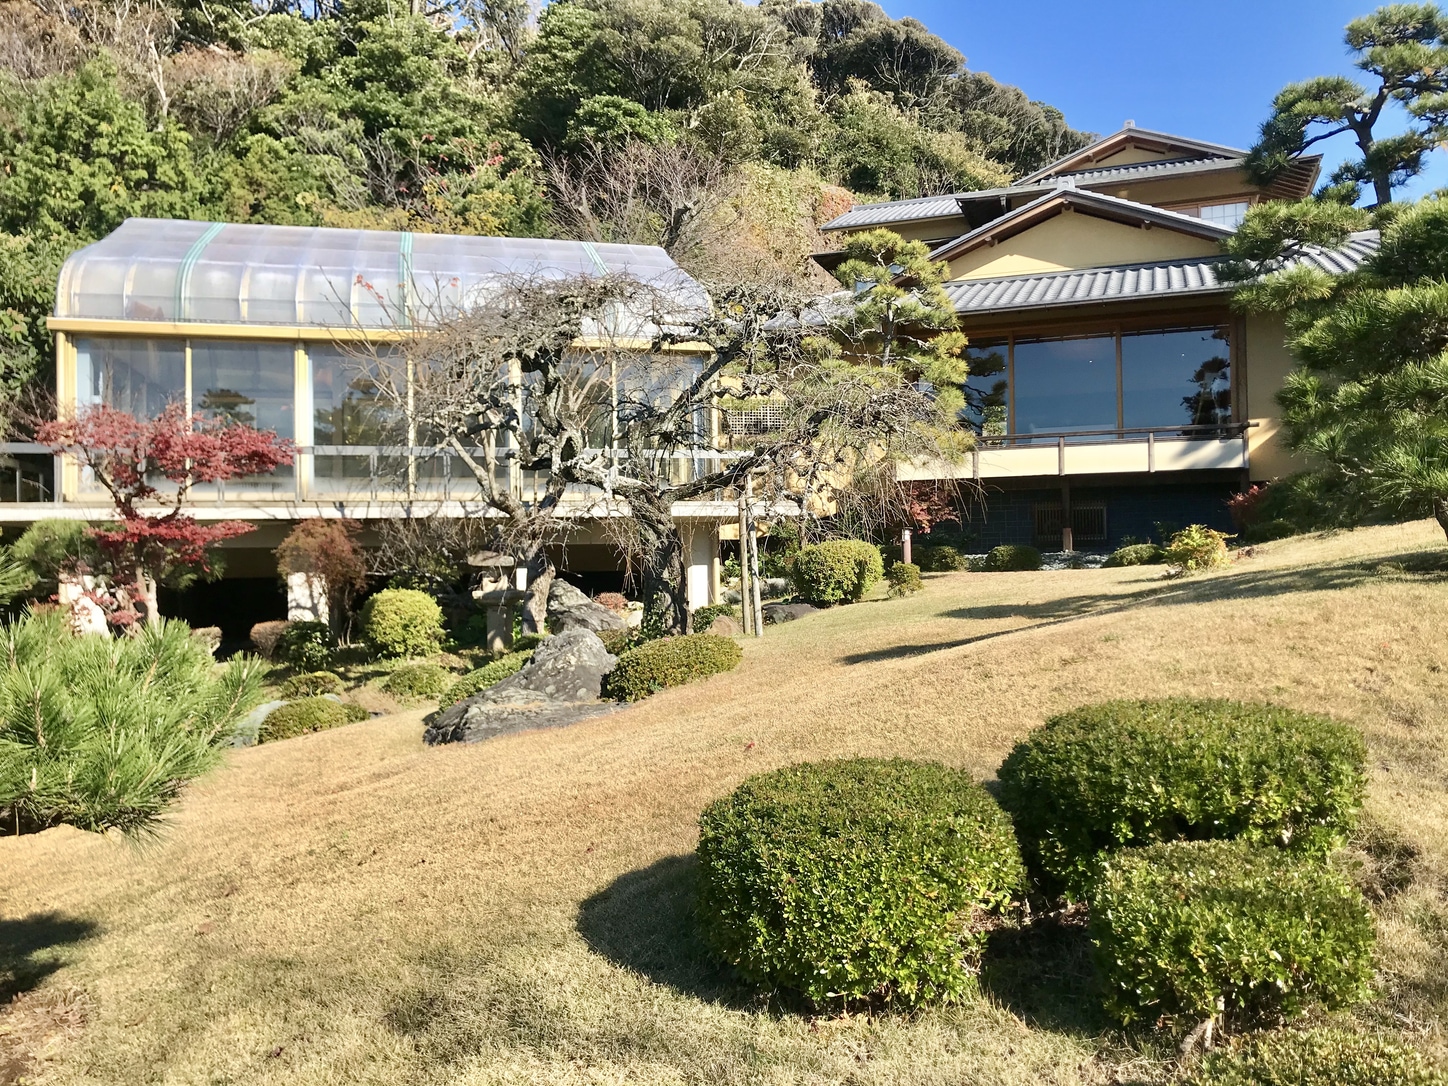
1075 240
1267 364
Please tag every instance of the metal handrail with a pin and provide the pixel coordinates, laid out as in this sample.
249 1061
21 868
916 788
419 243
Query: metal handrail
1218 429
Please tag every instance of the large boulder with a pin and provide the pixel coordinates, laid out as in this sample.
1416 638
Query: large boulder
775 613
561 684
570 609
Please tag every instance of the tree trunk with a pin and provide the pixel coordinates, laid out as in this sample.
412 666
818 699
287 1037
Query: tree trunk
666 606
145 599
1440 513
540 580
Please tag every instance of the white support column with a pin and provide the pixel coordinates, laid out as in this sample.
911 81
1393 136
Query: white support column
306 598
700 549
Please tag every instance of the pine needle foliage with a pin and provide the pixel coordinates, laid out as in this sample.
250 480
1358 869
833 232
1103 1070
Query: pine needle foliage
104 733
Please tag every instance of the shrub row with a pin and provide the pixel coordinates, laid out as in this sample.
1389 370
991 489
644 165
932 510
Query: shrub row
490 674
1320 1057
670 661
1136 554
314 714
1011 557
940 559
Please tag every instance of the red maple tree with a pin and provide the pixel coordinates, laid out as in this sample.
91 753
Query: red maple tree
129 457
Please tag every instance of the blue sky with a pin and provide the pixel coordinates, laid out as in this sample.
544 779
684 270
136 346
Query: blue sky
1206 69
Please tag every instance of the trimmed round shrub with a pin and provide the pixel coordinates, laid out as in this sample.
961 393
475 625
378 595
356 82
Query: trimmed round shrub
265 635
310 684
904 578
1011 558
418 681
402 622
836 571
1137 554
1197 547
1320 1057
670 661
1208 929
306 646
1127 773
475 682
860 880
941 559
314 714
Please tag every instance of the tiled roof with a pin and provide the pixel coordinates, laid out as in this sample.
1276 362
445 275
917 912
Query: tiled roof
1166 279
1168 167
926 207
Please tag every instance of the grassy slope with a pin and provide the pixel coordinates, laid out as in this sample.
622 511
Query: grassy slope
353 907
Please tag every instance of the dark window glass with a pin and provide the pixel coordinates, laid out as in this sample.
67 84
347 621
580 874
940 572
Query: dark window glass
1176 377
354 401
130 374
1065 384
250 384
987 395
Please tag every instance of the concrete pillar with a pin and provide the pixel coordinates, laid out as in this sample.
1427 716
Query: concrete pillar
306 598
701 548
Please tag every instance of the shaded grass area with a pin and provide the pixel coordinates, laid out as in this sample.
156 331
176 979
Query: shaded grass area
353 907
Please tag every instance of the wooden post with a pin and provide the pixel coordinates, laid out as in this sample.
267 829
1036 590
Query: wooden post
905 545
745 599
754 561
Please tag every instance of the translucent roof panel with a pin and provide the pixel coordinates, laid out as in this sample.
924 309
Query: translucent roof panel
177 271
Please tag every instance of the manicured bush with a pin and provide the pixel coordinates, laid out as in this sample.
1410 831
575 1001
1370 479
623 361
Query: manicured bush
941 559
306 646
1137 554
313 714
310 684
703 617
1320 1057
1128 773
836 571
402 622
418 681
904 578
1012 558
670 661
856 880
1195 548
266 635
619 642
103 733
475 682
1206 929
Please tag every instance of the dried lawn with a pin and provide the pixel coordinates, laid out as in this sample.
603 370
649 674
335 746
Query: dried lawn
353 907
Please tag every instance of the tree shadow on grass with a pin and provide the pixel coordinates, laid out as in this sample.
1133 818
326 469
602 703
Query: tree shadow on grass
28 949
645 921
1043 973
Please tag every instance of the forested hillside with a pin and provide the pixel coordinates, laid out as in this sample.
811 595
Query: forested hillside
680 122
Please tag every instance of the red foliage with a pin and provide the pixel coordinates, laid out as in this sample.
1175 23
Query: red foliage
128 456
927 504
1243 507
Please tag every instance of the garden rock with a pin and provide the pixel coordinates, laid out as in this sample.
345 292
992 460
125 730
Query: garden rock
249 726
724 626
775 613
775 587
570 609
560 685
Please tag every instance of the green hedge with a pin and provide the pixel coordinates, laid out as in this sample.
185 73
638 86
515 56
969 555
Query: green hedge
1320 1057
314 714
703 617
856 880
1011 557
402 622
475 682
837 571
418 681
306 646
311 683
1201 929
1137 554
940 559
1130 773
670 661
904 578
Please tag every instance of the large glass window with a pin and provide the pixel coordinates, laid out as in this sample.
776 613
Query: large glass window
987 391
357 400
131 374
249 384
1182 377
1065 384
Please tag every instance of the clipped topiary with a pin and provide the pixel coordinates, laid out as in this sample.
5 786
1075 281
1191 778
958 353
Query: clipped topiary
266 635
1137 554
1221 929
1128 773
311 683
314 714
1320 1057
306 646
670 661
856 880
418 681
402 622
941 559
904 578
836 571
475 682
1196 548
1011 558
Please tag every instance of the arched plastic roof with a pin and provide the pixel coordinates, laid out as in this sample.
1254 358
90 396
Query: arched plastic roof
176 270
